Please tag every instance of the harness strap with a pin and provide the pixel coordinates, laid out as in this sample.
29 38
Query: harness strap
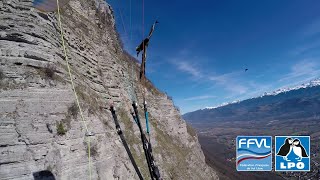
124 142
153 169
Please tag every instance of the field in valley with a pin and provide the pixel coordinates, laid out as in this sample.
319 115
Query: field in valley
218 144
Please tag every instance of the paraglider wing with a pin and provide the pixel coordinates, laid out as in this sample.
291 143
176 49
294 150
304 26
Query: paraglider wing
152 29
142 45
48 5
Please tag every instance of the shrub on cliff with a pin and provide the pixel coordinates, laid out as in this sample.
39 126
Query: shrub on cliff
60 129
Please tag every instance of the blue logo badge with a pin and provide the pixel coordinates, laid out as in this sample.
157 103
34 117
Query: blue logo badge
292 153
254 153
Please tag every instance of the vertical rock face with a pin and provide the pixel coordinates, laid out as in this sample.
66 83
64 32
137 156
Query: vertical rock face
40 124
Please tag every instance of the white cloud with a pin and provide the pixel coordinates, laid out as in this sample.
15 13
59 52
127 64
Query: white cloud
306 69
234 83
309 37
199 97
305 48
188 68
237 88
225 77
230 82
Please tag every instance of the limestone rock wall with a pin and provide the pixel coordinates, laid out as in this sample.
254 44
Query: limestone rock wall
36 100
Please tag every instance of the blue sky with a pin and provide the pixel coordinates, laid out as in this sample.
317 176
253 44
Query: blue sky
200 49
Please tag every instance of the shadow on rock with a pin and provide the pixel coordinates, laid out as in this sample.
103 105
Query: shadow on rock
43 175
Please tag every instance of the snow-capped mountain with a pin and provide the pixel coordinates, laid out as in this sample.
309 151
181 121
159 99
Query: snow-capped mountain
299 102
312 83
221 105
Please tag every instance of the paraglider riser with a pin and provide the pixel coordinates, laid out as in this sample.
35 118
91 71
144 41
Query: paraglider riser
119 131
153 169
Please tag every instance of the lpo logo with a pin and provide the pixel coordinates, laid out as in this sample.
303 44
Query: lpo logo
254 153
292 153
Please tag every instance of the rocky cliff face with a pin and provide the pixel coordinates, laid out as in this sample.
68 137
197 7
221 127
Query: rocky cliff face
40 124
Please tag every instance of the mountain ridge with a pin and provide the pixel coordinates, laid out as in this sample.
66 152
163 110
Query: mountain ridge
301 102
312 83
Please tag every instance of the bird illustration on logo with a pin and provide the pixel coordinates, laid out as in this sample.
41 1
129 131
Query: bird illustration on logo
292 153
285 149
298 149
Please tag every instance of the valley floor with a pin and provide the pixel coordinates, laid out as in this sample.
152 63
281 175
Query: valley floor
218 157
218 144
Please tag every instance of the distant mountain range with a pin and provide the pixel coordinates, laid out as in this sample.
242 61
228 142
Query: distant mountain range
302 101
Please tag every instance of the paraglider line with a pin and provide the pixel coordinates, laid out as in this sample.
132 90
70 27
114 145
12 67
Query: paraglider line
73 87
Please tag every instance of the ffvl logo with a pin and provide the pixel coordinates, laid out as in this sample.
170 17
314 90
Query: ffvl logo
292 153
254 153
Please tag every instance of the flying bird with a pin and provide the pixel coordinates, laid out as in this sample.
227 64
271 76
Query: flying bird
245 70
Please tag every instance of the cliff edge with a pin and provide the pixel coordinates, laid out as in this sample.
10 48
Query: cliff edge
40 124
